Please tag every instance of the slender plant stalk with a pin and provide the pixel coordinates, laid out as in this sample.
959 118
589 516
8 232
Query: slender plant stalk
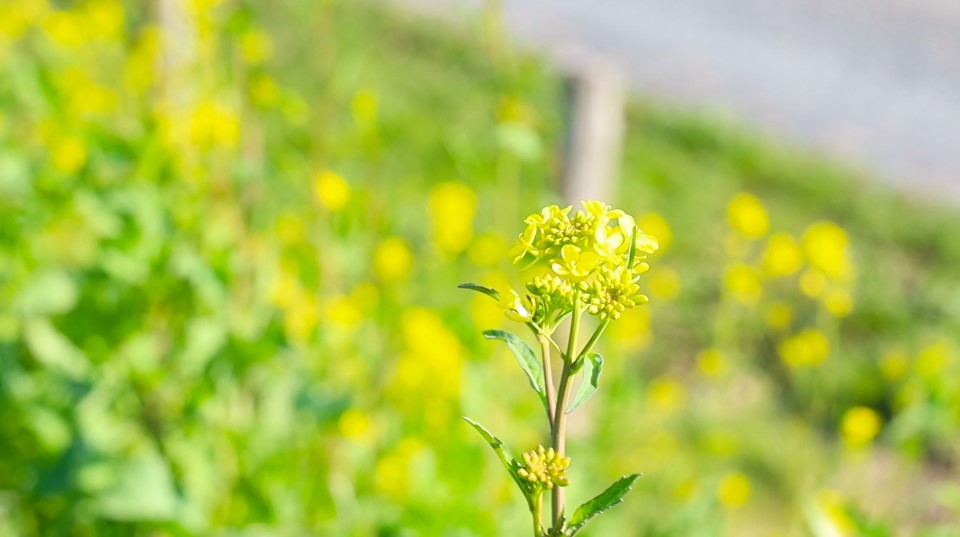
537 511
559 429
548 377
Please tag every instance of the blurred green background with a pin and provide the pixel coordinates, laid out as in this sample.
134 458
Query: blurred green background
228 260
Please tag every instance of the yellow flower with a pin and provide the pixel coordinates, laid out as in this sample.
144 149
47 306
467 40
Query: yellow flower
364 107
666 394
104 18
805 349
827 248
747 216
860 426
452 207
264 91
341 311
69 155
782 256
712 362
213 123
356 425
545 468
734 490
743 283
779 315
517 308
575 263
256 47
392 260
838 302
656 225
664 283
894 365
331 190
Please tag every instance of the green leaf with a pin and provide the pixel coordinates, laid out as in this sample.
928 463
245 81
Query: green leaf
607 499
632 253
593 364
505 456
525 356
492 293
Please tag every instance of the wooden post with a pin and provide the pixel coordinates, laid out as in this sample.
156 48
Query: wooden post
594 109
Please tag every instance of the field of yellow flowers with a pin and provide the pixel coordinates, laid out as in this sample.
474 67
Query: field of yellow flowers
228 305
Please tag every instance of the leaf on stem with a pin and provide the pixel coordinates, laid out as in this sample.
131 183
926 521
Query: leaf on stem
607 499
506 458
593 365
492 293
525 356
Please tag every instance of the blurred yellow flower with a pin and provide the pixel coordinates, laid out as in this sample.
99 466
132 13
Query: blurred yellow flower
301 318
783 255
712 362
264 91
829 518
341 311
826 246
860 426
364 106
256 47
392 260
805 349
214 124
331 190
104 19
666 394
779 315
664 283
452 207
743 283
655 225
838 302
894 365
733 491
934 358
356 425
69 155
747 216
65 28
487 250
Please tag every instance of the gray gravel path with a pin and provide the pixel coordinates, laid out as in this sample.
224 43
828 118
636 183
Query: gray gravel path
873 82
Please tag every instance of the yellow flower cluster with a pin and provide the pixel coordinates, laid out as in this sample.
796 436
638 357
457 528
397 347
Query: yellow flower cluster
594 258
545 468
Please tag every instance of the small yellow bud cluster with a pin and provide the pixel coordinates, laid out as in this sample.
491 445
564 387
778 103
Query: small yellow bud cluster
613 292
545 468
594 256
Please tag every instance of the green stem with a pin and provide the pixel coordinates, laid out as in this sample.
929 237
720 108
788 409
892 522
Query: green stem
548 377
559 429
537 510
593 340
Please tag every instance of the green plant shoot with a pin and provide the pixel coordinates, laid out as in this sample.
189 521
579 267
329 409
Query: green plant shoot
586 263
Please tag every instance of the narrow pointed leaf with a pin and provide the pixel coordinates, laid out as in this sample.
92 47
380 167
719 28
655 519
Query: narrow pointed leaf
607 499
632 252
525 356
592 366
505 457
492 293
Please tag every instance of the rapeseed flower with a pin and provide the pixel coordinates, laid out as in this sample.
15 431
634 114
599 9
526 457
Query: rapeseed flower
748 216
331 190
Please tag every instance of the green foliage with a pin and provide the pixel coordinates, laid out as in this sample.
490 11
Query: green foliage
589 382
603 501
531 365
